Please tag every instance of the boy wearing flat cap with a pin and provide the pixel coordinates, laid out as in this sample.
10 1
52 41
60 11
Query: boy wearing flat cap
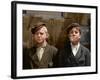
41 55
73 53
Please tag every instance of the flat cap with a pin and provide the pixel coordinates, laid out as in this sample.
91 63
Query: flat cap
37 27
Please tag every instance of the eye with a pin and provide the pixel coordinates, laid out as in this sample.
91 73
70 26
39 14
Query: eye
41 33
76 32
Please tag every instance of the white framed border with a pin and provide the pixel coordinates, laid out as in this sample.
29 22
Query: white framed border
17 8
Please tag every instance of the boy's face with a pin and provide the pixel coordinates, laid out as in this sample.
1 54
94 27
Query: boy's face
74 35
40 36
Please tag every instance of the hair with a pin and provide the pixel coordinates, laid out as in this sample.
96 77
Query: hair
73 25
38 26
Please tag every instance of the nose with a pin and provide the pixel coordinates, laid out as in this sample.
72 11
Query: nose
38 35
73 33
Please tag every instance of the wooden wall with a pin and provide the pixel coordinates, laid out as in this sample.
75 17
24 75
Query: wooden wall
56 26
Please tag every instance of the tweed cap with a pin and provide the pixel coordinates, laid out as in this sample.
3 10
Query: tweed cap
37 27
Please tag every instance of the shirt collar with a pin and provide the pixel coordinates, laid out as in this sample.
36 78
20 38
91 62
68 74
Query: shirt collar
43 45
75 46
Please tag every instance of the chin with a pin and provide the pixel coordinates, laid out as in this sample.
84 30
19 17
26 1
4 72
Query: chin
39 42
75 42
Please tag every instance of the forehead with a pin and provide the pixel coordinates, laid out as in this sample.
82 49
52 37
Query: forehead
75 29
42 30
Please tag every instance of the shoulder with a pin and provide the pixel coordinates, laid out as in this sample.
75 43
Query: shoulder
31 50
86 50
52 47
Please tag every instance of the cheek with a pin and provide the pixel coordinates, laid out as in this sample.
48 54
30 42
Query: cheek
44 36
74 38
35 37
78 36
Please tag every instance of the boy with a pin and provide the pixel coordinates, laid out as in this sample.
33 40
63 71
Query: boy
41 55
73 53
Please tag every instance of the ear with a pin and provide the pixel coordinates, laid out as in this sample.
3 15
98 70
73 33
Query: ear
47 35
80 36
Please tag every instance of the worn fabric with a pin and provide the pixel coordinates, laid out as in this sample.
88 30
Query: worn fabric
46 59
66 58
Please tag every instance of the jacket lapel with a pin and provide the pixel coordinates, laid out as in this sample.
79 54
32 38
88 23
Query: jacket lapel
34 56
45 54
44 59
78 55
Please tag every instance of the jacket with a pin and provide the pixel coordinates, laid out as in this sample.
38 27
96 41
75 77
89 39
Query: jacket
65 57
46 61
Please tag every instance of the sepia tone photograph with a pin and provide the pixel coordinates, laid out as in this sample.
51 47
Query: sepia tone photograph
55 38
56 24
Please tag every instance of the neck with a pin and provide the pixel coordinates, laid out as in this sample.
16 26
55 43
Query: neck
74 44
42 44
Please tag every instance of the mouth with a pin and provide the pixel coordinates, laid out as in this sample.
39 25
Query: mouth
73 38
39 39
